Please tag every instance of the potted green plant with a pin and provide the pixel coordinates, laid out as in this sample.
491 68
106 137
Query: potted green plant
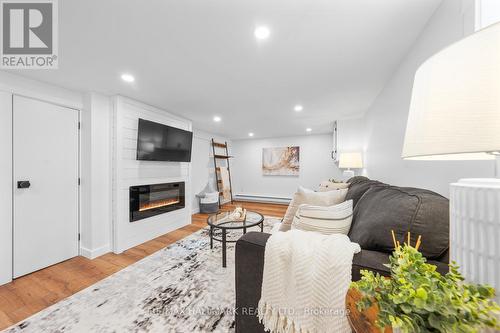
417 298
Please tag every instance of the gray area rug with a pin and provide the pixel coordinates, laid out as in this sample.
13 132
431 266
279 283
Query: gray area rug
181 288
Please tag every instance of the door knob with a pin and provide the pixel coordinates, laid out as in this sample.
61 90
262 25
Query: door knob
23 184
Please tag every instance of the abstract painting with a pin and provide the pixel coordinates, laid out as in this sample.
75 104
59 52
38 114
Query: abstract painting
281 161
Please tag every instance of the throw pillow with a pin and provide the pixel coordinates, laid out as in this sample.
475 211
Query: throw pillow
306 196
330 220
329 186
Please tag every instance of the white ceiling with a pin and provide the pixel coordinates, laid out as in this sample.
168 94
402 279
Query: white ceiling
199 58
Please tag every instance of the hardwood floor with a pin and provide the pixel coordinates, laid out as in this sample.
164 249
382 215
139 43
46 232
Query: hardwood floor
34 292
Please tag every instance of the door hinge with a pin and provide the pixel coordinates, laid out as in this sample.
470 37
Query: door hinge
79 237
79 125
79 181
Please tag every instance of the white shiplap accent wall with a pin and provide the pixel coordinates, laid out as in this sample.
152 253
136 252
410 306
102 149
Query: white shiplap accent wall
130 172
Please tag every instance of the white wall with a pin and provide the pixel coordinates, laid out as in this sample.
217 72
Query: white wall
5 187
350 134
39 90
202 163
96 143
385 122
128 171
316 165
350 138
487 13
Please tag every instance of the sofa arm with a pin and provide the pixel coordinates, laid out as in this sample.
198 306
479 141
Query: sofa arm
250 250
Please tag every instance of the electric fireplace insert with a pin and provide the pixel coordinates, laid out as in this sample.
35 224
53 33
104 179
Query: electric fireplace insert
151 200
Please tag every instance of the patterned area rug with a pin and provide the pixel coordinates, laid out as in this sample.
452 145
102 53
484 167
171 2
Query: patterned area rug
181 288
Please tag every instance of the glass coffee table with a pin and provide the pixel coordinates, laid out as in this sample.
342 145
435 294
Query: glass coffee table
220 222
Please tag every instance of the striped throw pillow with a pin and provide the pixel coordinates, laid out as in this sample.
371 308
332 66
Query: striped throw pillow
326 220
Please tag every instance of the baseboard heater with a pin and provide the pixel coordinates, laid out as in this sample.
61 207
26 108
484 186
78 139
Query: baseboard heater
262 198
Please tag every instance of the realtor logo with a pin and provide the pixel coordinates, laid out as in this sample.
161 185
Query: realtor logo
29 34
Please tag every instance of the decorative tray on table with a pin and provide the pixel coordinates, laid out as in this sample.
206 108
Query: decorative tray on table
238 215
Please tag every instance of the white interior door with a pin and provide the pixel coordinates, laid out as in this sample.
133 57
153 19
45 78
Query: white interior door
45 151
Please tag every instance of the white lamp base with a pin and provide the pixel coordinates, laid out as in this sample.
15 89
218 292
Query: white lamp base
475 230
347 174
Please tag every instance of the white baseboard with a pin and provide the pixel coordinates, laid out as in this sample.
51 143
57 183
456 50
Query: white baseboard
262 198
92 254
5 280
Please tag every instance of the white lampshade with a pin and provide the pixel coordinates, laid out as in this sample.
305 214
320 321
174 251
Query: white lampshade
455 115
350 161
455 106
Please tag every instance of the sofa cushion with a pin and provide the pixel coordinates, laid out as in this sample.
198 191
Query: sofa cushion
306 196
327 220
357 179
358 186
327 185
385 208
375 261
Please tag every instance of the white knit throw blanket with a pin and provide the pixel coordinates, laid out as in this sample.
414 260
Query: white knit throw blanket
306 279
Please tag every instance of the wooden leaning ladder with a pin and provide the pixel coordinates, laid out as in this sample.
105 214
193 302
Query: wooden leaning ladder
225 157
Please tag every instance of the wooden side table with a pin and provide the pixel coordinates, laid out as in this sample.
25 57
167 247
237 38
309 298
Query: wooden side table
362 322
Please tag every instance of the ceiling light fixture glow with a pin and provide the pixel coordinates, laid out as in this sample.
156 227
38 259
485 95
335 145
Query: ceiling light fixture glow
250 134
217 119
128 78
298 108
262 32
308 129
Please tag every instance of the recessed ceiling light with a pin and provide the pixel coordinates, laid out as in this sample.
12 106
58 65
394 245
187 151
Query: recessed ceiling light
308 129
128 78
298 108
250 134
262 32
217 119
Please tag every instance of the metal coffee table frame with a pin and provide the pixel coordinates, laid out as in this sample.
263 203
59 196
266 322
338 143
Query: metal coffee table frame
224 228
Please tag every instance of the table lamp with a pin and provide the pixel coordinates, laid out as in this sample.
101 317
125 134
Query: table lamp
350 161
455 115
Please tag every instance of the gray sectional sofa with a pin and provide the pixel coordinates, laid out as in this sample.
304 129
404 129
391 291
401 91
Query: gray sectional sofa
378 209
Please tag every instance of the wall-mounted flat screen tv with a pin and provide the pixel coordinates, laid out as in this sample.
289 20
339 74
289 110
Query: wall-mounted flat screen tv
158 142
